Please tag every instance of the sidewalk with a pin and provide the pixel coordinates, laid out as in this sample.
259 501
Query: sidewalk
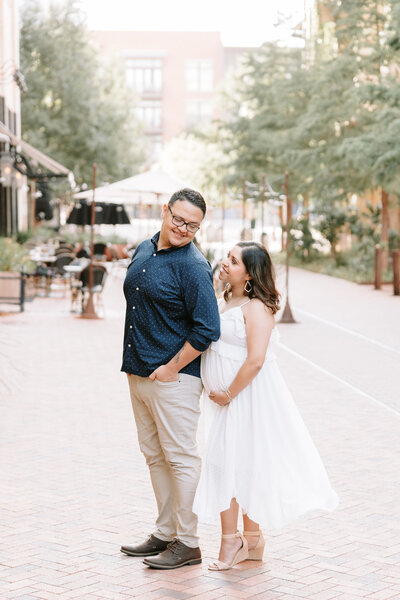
74 485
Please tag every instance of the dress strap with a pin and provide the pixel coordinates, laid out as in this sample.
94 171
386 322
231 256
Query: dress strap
244 303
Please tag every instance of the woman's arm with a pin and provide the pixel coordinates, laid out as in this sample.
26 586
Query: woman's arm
259 325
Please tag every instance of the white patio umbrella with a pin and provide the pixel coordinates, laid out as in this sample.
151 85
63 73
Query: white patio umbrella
151 187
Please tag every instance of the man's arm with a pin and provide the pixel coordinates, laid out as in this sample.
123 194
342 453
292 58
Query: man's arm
169 372
201 305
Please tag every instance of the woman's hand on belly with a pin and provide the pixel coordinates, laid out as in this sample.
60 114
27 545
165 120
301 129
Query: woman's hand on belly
220 398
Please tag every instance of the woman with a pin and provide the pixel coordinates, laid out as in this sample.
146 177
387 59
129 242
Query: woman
259 453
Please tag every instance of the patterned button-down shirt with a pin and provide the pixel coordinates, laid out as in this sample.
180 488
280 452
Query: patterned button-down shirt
170 300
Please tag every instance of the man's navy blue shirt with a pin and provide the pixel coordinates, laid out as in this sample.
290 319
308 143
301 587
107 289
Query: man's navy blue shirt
170 300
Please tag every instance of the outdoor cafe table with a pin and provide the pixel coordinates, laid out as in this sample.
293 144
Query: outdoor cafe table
48 259
76 267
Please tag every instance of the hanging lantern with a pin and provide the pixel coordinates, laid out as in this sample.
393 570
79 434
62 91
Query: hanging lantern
19 179
6 169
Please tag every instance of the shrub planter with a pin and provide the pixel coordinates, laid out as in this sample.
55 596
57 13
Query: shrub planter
12 288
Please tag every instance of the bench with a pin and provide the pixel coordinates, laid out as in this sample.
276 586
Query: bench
12 289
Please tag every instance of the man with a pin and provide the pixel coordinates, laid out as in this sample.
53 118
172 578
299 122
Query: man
171 318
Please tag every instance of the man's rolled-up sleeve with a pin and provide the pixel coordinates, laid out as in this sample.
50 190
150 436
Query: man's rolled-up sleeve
202 307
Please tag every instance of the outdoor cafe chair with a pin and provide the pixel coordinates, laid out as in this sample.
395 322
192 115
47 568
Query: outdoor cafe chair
59 264
99 250
42 279
64 250
82 253
81 285
61 261
66 246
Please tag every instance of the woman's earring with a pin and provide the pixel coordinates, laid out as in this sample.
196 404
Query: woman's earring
248 287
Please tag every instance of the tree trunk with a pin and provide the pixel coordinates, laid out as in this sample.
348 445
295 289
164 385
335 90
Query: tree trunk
333 252
306 211
385 228
282 227
289 210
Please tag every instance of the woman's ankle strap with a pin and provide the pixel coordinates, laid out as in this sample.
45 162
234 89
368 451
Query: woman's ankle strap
257 532
230 535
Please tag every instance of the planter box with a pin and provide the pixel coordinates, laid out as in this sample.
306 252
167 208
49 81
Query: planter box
12 288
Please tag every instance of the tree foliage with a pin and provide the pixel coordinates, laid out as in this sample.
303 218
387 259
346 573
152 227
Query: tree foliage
333 123
198 160
366 33
76 110
264 102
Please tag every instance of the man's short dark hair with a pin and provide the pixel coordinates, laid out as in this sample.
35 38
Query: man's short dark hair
191 196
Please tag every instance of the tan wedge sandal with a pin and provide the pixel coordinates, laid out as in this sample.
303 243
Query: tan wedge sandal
256 553
241 554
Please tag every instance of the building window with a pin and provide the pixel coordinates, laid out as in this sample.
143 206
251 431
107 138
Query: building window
155 145
12 121
149 112
198 112
144 75
199 75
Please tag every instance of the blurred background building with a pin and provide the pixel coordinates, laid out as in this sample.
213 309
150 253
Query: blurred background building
20 163
174 77
10 119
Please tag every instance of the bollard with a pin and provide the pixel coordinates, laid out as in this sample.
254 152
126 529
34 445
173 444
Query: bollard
22 292
396 282
378 267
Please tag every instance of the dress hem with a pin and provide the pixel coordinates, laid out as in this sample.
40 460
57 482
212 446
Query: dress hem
211 518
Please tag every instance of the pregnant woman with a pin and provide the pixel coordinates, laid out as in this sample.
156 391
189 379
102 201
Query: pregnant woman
259 454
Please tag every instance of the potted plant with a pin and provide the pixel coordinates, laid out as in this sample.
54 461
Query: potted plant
14 261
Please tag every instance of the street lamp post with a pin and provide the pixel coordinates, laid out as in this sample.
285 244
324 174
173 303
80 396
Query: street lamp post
262 208
89 310
243 208
287 316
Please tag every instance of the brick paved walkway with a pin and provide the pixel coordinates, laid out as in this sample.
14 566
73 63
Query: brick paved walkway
74 485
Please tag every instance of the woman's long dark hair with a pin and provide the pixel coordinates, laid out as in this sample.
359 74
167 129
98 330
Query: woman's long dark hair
260 268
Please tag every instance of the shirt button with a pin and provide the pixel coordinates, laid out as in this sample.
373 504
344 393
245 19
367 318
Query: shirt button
154 254
133 307
144 270
137 289
130 326
129 345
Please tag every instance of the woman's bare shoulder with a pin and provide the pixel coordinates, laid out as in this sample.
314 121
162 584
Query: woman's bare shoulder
258 310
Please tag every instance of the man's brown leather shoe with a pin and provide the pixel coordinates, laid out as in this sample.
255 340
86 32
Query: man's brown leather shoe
176 555
150 547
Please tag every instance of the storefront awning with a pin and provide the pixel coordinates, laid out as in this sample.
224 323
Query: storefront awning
36 155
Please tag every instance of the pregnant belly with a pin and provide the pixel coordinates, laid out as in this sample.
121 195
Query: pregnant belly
218 372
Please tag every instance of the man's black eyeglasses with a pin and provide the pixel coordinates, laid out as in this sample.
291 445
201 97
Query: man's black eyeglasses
178 221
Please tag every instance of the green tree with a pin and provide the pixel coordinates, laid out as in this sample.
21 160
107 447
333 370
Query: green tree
286 115
318 120
198 160
74 110
303 242
263 102
338 113
331 223
368 31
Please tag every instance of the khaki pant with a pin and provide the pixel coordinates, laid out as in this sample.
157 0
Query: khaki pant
166 415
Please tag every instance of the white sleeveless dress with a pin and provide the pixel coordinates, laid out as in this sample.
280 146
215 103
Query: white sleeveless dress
258 449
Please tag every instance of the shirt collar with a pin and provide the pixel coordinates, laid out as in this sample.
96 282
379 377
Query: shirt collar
155 239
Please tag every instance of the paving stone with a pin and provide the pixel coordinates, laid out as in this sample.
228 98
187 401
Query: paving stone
75 486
